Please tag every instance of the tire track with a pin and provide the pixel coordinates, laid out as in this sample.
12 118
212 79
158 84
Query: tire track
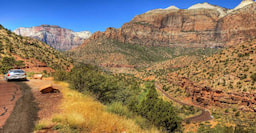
5 111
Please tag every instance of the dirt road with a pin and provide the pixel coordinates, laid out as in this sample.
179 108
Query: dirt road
9 94
31 105
204 116
24 113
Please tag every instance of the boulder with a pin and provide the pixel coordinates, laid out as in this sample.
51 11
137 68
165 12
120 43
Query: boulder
38 76
48 89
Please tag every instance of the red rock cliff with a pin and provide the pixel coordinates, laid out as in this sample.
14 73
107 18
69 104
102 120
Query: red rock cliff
193 27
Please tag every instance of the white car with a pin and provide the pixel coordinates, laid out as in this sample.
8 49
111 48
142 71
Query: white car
15 74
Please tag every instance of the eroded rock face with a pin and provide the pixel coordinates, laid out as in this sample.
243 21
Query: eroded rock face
202 25
55 36
238 26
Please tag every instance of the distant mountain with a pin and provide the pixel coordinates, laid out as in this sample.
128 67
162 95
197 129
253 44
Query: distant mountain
201 26
55 36
30 53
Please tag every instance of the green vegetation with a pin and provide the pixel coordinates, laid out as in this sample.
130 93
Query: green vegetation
157 111
60 75
8 63
124 96
106 88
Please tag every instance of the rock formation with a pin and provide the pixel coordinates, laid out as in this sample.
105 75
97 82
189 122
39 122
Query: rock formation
202 25
55 36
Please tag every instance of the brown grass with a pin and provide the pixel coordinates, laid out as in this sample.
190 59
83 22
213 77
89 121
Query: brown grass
84 114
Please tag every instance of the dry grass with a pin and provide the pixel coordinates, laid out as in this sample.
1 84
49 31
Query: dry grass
81 113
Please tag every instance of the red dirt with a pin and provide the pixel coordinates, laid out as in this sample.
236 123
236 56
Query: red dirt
48 103
30 107
9 94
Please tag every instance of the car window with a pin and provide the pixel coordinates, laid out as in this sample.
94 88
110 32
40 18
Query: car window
17 71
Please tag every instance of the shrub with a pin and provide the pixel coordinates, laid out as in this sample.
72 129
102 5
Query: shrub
237 113
158 111
60 75
253 77
120 109
7 63
106 88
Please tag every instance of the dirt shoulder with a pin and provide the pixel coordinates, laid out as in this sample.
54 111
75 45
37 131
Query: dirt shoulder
9 94
31 107
24 113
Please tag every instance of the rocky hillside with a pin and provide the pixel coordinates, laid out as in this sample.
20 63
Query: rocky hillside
231 70
201 25
29 52
165 32
55 36
125 58
224 79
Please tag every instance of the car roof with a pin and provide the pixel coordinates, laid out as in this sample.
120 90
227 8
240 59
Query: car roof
16 70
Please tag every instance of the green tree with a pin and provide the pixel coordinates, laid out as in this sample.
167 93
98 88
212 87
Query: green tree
159 112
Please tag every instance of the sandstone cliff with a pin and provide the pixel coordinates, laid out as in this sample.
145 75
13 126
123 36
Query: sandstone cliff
55 36
202 25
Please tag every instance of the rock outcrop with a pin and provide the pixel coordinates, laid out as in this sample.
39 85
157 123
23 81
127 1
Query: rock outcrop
202 25
206 96
55 36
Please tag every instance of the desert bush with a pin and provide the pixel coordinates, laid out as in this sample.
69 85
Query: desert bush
60 75
7 63
253 77
120 109
237 113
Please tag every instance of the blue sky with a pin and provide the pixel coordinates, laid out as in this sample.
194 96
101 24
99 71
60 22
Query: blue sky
91 15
